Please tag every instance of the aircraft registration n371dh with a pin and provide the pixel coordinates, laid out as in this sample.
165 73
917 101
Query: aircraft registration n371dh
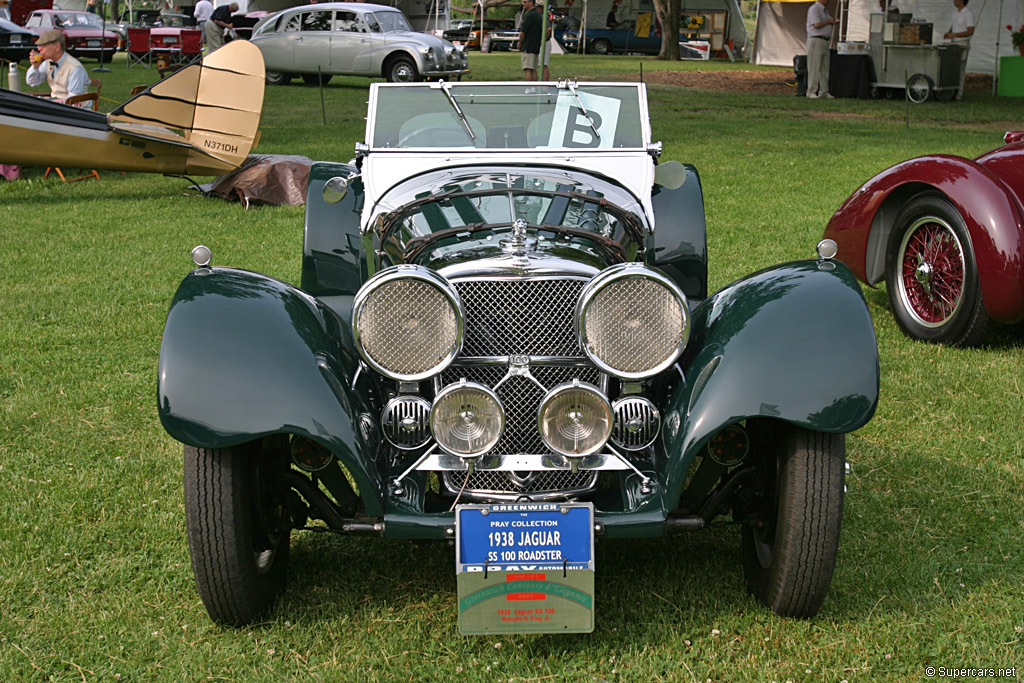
200 120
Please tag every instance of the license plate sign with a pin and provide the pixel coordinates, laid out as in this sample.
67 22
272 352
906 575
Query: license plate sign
525 568
92 43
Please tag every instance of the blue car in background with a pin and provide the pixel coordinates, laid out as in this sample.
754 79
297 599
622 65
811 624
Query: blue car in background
622 38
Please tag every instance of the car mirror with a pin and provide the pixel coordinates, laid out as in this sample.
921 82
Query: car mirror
670 174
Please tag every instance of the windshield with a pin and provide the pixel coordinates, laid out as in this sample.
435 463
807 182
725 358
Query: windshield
507 116
392 21
77 20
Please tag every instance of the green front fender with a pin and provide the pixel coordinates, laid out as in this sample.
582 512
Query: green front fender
245 356
793 343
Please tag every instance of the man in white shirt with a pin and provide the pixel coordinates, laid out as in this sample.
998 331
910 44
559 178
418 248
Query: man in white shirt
50 64
960 33
819 39
202 12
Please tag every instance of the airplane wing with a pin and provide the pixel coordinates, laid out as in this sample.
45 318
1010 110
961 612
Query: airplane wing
200 120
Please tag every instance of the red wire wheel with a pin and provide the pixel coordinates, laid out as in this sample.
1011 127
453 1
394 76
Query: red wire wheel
931 275
931 271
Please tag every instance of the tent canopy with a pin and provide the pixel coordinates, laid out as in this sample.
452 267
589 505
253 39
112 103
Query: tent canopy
781 26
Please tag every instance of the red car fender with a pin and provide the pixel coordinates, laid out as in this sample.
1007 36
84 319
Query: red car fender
993 214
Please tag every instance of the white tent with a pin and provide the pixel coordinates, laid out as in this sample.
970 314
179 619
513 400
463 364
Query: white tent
781 27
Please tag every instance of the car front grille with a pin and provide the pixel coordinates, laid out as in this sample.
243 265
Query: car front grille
521 317
531 317
484 483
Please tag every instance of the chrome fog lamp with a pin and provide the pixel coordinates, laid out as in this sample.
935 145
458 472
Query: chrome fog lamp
467 419
575 419
407 323
633 321
201 255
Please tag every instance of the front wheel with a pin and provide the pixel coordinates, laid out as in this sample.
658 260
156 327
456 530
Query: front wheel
278 78
919 88
238 528
401 70
789 556
931 276
601 47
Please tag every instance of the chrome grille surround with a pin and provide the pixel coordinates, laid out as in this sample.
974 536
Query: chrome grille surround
500 485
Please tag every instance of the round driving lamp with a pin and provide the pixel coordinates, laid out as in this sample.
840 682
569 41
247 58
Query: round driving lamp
633 321
467 419
575 419
407 323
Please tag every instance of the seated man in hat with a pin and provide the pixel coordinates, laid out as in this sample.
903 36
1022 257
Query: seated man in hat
49 62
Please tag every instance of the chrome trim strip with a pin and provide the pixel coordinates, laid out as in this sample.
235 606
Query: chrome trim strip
524 462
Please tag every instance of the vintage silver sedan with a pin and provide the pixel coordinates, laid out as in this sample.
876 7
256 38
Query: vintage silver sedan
352 39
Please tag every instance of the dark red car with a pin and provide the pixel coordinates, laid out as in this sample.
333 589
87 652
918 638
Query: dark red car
83 32
947 235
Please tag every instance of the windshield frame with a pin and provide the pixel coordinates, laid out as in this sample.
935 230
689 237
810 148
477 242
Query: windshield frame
440 106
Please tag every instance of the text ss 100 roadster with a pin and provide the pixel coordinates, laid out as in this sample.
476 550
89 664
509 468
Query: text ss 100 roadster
491 323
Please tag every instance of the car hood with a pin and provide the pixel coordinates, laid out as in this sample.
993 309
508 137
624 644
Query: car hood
416 38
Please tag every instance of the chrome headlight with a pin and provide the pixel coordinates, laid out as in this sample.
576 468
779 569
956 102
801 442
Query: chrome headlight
575 419
407 323
467 419
633 322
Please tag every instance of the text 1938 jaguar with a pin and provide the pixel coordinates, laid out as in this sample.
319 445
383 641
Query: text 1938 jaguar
489 316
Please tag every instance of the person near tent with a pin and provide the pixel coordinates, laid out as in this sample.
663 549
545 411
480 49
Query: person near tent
819 39
611 22
960 31
217 24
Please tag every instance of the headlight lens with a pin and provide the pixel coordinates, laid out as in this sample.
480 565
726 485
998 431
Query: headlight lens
575 419
467 419
633 321
407 323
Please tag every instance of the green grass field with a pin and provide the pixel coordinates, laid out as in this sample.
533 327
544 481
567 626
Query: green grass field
94 568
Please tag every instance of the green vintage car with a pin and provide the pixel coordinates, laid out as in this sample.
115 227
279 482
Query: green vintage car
503 338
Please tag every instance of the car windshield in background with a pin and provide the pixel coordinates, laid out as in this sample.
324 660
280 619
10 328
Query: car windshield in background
392 21
508 116
77 20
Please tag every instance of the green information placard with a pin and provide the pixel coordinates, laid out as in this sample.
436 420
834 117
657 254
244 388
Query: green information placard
526 602
525 568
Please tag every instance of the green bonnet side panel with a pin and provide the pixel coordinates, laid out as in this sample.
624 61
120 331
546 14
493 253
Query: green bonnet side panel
245 356
794 342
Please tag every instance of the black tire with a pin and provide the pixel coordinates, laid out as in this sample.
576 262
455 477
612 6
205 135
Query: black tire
601 47
401 70
313 79
788 562
931 275
238 530
919 88
278 78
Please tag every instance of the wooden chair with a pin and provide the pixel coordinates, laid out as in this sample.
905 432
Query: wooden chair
165 71
87 100
139 88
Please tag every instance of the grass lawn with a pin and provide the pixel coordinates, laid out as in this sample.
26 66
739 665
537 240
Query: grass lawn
94 568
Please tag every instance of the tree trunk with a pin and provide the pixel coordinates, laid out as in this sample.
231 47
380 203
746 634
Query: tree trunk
668 14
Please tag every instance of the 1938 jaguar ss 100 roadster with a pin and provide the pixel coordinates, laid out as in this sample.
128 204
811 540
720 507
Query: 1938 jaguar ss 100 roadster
504 311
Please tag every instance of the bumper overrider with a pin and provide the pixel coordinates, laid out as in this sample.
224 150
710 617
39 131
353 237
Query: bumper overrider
415 390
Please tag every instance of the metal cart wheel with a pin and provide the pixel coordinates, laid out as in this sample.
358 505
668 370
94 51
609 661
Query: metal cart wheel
919 88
